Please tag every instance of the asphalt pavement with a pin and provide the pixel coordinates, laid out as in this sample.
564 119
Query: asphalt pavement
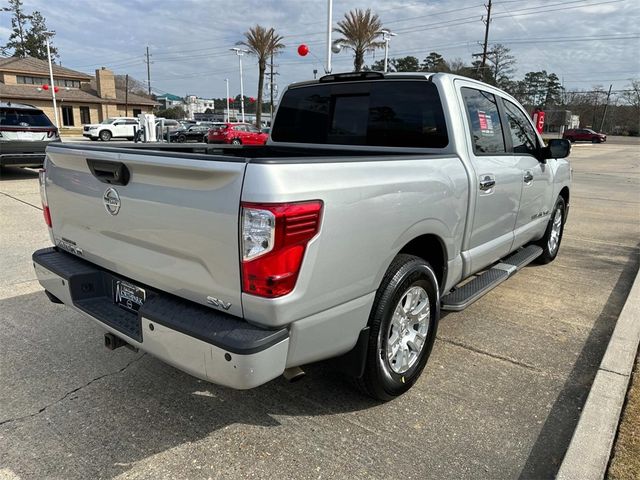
500 396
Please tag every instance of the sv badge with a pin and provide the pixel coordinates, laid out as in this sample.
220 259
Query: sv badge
218 303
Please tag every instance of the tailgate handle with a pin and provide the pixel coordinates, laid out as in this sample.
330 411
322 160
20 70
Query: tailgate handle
113 173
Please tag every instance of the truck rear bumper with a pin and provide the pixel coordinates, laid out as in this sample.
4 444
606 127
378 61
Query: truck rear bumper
208 344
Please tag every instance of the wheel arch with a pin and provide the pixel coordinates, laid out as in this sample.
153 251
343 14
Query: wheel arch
431 248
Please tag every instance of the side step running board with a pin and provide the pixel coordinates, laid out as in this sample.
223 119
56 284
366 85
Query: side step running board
461 297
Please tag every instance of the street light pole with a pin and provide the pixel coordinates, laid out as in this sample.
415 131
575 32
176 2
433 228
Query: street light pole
329 29
240 52
53 86
226 80
386 36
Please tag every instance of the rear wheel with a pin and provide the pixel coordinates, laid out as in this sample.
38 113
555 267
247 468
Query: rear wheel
550 243
236 141
105 135
402 325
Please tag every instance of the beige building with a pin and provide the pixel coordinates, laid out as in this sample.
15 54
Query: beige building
81 98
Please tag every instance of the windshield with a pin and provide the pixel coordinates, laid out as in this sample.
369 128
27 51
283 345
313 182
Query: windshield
24 118
107 121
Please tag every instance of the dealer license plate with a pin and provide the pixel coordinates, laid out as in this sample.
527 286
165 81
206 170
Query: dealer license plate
128 296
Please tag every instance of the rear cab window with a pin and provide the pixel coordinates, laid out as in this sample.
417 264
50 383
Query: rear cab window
23 117
389 113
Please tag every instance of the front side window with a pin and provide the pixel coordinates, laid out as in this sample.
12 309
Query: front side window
523 137
388 113
484 120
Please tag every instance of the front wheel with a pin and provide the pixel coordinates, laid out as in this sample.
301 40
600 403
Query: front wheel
105 135
550 243
182 139
236 141
403 325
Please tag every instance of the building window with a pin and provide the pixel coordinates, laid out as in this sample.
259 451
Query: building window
136 112
61 82
85 115
67 116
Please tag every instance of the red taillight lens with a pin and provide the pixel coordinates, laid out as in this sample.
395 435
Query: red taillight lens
43 197
274 239
47 216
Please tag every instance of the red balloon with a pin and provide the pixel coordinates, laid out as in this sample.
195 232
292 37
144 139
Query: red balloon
56 89
45 87
251 99
231 99
303 50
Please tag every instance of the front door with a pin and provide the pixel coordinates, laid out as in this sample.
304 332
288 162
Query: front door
497 181
537 184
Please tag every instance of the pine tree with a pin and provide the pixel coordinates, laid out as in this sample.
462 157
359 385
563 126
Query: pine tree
35 41
17 39
27 37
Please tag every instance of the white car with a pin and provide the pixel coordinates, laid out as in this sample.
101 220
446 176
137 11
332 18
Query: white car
116 127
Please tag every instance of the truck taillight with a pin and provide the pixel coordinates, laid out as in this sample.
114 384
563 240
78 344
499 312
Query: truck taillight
43 198
274 239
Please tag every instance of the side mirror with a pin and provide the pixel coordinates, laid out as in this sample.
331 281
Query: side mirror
557 148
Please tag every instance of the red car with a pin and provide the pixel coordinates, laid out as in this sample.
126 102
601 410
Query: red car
237 134
584 135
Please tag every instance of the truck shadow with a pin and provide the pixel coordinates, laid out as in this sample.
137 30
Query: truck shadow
113 420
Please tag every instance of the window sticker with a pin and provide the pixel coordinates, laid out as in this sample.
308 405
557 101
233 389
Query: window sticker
486 123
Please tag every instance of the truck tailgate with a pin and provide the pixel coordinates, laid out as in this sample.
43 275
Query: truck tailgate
176 227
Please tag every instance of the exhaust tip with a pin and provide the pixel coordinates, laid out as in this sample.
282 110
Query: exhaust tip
293 374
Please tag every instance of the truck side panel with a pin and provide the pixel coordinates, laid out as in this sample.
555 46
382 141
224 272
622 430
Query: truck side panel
371 210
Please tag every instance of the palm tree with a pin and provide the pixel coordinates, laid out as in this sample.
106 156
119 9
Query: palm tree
360 30
262 43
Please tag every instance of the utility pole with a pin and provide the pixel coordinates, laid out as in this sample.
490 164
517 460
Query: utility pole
240 52
606 106
486 40
148 71
126 95
226 80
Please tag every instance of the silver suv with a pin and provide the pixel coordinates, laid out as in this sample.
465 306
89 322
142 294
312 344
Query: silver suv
25 132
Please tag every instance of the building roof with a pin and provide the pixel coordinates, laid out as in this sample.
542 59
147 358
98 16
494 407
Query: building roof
84 95
169 96
38 67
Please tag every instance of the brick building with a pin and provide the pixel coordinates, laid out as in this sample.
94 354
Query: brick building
81 98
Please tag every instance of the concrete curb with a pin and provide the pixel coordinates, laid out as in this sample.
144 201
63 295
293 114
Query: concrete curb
588 454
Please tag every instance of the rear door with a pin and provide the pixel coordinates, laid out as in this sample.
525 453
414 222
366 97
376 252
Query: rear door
176 225
497 178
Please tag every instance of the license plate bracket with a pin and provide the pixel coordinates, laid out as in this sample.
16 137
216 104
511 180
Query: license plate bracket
128 296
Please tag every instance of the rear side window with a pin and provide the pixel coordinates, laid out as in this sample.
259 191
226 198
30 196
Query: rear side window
19 117
484 119
394 113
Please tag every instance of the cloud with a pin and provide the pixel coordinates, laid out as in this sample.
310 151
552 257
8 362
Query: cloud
189 39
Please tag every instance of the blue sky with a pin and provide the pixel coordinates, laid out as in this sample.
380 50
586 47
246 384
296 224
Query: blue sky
586 42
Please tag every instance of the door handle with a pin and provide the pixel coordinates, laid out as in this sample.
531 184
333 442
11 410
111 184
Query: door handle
487 183
528 177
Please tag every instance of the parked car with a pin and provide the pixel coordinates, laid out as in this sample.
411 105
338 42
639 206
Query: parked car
237 134
191 133
116 127
25 132
584 135
170 126
344 237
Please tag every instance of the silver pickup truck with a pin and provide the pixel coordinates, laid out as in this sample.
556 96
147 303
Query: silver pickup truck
378 201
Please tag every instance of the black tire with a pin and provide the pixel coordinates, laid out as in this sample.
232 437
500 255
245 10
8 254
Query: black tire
549 253
236 141
380 381
105 135
596 140
182 138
